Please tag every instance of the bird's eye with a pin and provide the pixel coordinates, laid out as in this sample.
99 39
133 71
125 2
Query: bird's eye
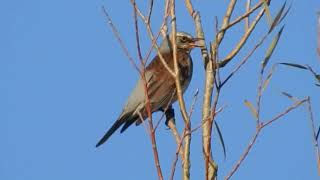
184 39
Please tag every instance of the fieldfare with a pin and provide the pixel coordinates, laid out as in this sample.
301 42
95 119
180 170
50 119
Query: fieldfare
160 83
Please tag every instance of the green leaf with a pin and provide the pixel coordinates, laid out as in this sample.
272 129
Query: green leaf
285 14
221 139
252 109
266 82
271 48
267 11
276 20
295 65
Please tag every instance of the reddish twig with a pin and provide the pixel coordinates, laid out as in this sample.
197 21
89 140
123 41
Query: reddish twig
117 35
147 105
259 128
176 158
314 134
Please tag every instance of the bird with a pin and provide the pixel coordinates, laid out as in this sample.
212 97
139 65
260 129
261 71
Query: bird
160 83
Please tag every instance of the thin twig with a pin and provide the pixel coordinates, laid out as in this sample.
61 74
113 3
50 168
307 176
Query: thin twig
244 155
314 134
210 167
202 123
148 104
244 60
175 133
245 15
186 164
137 35
247 20
117 35
176 158
153 38
174 130
243 40
258 130
195 98
218 77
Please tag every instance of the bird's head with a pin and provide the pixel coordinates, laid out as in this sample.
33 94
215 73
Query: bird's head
184 41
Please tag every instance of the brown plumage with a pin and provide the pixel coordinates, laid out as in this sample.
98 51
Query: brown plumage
160 83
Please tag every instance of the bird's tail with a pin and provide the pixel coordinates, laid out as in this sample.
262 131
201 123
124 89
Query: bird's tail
114 127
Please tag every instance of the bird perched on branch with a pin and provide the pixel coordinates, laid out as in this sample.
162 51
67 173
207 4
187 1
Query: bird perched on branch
160 83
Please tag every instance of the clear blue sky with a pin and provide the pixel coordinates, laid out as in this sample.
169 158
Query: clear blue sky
64 79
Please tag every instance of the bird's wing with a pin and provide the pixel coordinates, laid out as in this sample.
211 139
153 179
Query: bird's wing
161 91
161 87
128 116
163 94
137 98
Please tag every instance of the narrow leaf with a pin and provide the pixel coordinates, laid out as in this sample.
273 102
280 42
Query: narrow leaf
271 48
311 70
317 76
267 11
294 65
252 109
289 96
285 14
317 136
276 20
266 82
221 139
318 85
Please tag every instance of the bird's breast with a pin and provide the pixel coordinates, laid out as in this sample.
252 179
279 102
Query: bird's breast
186 68
162 83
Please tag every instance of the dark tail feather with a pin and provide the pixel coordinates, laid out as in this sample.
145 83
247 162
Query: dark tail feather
114 127
127 124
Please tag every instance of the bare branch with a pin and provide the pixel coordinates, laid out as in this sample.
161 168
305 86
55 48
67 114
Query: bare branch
179 150
147 105
153 38
243 40
244 60
242 17
117 35
258 130
314 134
246 19
186 164
210 66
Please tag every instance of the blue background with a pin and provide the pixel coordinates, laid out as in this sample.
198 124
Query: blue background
64 79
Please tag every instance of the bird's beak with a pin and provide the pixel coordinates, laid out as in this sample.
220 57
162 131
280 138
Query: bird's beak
195 42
